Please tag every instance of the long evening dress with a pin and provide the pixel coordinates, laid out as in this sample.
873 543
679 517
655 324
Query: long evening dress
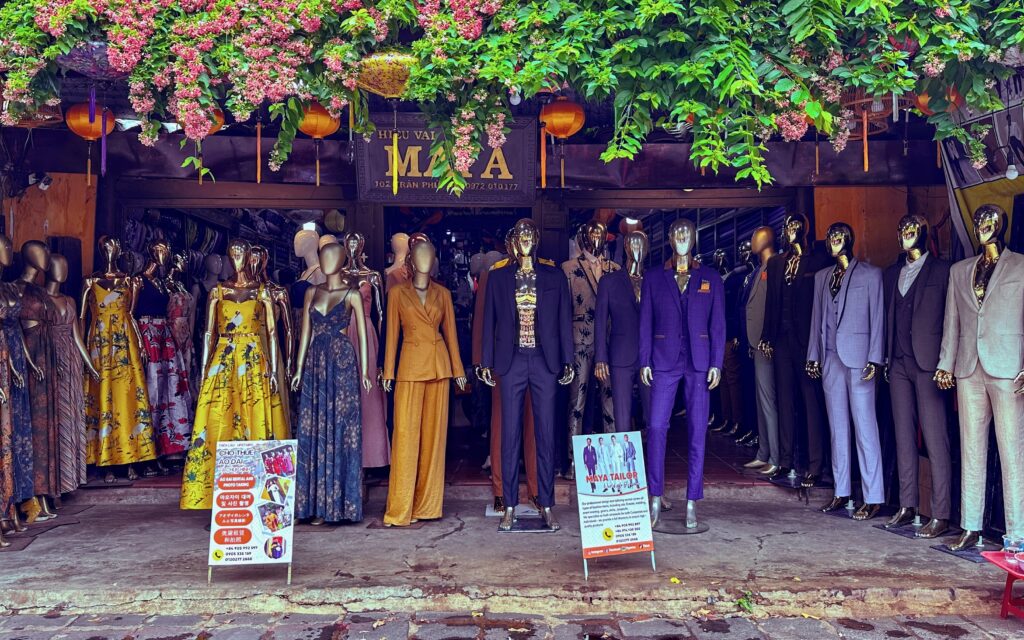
376 449
180 312
234 400
17 397
330 470
70 400
118 424
37 306
7 483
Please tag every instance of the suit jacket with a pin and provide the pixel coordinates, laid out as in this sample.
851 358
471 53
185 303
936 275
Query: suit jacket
733 282
553 327
752 319
590 456
929 306
426 355
583 295
992 333
630 451
803 295
661 323
619 344
861 310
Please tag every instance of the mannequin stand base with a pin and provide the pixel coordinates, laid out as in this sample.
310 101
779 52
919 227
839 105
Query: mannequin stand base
908 530
523 510
677 527
973 554
528 525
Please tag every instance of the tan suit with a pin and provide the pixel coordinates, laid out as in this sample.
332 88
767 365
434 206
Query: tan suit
430 357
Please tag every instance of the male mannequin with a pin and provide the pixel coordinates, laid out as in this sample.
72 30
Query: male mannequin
846 348
528 342
617 349
981 346
915 301
753 302
584 274
731 389
784 340
398 272
682 339
307 246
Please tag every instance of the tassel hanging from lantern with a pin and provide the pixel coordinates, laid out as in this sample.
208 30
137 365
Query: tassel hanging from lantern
316 152
259 150
938 154
92 104
394 154
817 154
199 155
103 144
88 165
864 124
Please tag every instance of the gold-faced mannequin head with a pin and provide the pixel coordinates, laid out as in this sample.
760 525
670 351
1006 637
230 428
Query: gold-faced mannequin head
912 232
591 237
794 226
744 251
258 259
762 238
58 271
527 237
354 244
36 255
683 237
239 254
6 251
637 247
110 247
331 257
989 224
421 253
840 240
160 252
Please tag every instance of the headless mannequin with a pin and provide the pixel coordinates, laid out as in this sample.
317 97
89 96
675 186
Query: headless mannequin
306 245
259 256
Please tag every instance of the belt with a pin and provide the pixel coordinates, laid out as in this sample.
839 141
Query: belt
237 334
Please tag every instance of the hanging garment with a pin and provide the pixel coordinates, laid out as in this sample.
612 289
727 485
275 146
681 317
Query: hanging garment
17 396
37 306
8 485
70 399
376 449
180 313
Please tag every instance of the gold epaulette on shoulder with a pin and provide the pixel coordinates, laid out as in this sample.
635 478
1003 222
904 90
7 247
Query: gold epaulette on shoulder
550 263
499 264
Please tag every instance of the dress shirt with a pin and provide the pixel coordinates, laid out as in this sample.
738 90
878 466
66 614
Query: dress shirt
908 273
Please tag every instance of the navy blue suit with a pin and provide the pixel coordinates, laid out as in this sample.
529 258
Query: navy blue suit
617 338
536 368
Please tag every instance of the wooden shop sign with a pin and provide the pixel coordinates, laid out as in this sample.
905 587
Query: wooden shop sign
501 177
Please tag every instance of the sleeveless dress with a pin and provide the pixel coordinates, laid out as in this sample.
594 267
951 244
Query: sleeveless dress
70 399
37 306
234 400
118 424
330 470
180 309
18 403
7 484
170 400
376 449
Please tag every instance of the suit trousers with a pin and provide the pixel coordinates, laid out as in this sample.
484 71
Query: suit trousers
578 392
848 396
698 405
980 397
732 389
917 399
528 371
529 443
767 410
623 379
416 485
802 426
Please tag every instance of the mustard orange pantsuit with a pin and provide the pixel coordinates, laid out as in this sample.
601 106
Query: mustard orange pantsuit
428 361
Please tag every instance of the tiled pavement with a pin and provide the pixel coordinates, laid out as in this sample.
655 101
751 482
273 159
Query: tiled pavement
481 626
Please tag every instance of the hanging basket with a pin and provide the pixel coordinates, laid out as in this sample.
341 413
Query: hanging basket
90 60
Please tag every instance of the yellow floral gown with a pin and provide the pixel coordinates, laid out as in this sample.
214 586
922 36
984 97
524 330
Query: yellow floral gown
118 426
235 399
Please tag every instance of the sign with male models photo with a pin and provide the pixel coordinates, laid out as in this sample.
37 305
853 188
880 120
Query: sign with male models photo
253 503
611 490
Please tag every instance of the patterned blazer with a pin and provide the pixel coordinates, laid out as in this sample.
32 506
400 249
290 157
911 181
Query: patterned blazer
583 295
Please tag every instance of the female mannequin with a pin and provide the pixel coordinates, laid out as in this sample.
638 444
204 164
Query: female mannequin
330 476
398 272
258 257
306 244
239 375
12 383
170 400
181 314
417 309
70 353
119 428
374 407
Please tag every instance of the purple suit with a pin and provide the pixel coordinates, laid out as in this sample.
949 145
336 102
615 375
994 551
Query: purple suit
617 339
682 336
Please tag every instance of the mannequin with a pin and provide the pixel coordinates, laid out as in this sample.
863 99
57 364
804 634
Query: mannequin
306 245
70 355
618 347
170 399
915 301
584 274
37 314
280 405
784 341
376 451
527 341
984 353
398 272
13 385
422 312
846 350
731 389
330 470
181 314
119 429
754 301
240 374
682 340
213 264
743 395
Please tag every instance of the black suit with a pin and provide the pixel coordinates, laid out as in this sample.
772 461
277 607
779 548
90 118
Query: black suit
536 368
787 327
912 360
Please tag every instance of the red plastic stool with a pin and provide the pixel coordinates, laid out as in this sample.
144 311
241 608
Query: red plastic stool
1014 572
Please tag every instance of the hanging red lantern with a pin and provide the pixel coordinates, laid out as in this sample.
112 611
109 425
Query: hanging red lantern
91 128
317 123
561 118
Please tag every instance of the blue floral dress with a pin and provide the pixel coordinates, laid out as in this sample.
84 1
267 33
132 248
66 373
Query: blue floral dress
18 400
330 469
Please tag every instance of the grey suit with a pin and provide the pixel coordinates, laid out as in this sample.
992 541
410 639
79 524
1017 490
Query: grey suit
764 372
846 334
983 346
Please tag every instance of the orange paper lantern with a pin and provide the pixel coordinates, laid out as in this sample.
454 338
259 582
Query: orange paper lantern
77 118
218 122
561 118
317 123
953 97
